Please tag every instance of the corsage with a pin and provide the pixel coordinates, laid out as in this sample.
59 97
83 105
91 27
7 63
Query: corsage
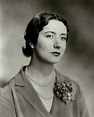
64 91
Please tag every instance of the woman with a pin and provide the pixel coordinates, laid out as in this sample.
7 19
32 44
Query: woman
38 90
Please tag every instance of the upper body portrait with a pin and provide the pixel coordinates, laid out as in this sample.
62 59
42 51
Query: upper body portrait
39 90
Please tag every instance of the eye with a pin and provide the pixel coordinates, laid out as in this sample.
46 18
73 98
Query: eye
49 36
64 38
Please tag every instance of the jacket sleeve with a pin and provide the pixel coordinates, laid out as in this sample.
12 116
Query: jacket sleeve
6 103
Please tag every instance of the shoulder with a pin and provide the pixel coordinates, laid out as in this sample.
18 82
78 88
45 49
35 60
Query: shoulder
6 89
6 101
62 78
5 94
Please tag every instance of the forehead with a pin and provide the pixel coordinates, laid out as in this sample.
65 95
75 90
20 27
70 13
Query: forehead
55 25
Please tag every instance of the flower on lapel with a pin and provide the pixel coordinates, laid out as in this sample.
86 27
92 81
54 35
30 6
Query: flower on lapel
64 91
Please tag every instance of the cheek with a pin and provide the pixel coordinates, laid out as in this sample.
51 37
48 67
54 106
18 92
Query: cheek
63 45
44 45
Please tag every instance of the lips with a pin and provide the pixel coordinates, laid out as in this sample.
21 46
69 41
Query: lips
56 53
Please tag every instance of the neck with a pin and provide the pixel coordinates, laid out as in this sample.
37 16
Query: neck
40 72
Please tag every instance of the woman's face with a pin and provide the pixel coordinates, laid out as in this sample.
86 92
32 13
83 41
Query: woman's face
51 42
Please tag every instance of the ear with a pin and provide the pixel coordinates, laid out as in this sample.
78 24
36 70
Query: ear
32 45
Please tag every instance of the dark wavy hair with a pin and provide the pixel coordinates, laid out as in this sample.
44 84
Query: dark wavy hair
35 26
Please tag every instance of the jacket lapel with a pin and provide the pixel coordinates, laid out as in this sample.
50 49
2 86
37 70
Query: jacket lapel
23 86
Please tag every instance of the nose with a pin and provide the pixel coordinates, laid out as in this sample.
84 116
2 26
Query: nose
57 44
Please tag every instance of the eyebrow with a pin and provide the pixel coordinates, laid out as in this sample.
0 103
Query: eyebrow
55 33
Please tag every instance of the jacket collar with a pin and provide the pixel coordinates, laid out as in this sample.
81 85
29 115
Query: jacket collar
23 86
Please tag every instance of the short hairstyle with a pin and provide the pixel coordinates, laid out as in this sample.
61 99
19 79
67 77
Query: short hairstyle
35 26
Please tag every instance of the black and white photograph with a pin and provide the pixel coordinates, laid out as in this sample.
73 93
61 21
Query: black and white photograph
46 58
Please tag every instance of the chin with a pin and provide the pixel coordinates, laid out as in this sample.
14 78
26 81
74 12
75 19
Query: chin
53 61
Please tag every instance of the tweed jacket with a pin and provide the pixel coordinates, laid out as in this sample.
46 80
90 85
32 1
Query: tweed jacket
18 98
